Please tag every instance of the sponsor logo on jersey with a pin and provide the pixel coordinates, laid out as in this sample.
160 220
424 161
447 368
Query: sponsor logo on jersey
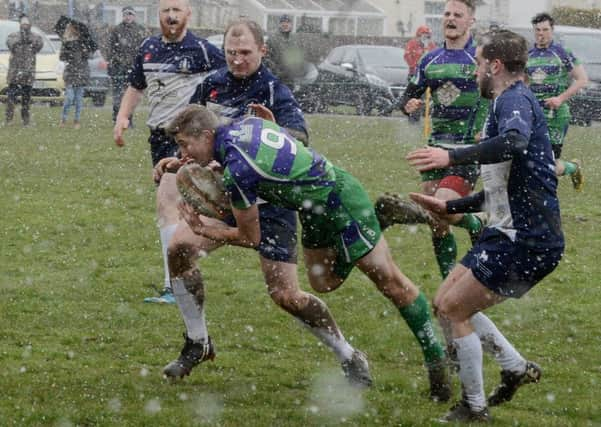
538 76
448 93
147 56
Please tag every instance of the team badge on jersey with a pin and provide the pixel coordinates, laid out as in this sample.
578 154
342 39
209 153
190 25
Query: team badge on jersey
147 56
448 93
538 76
184 65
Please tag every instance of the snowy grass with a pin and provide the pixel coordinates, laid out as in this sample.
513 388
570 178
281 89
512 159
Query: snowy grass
80 252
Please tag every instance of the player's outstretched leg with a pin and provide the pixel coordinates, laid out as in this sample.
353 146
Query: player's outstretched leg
414 308
393 209
282 284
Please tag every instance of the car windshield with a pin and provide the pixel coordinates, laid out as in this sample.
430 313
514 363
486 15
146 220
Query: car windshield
385 57
8 27
584 46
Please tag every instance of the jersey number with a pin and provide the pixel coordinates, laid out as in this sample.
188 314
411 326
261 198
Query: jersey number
277 140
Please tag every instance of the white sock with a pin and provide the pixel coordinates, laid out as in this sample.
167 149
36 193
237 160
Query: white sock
469 353
338 344
192 313
495 343
166 234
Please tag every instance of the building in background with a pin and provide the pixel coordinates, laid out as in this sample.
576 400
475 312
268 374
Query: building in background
377 18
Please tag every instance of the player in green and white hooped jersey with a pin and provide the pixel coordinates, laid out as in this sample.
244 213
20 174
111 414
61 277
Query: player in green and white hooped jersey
458 113
340 230
550 69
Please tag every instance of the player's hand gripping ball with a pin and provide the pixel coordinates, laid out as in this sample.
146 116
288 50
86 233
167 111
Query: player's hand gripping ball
203 189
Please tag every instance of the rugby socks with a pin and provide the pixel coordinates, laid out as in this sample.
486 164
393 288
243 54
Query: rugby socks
569 167
494 343
417 316
316 317
166 234
445 250
472 224
469 354
191 309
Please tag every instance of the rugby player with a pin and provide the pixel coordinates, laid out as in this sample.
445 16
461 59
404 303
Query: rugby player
555 75
168 67
262 161
458 113
522 242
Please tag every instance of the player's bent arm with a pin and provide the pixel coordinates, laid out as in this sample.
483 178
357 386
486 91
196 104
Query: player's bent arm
469 204
579 81
491 150
249 230
413 91
167 164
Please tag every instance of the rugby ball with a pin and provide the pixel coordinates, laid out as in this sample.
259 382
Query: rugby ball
203 189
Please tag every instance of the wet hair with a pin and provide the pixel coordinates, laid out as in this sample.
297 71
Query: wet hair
255 29
508 47
192 121
542 17
471 4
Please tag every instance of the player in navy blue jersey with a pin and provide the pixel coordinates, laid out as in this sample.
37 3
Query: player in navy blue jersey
168 68
522 242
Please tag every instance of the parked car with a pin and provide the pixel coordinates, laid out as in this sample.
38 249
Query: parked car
584 43
48 85
100 81
366 77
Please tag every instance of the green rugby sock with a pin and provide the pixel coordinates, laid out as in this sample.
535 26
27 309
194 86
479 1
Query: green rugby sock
472 224
445 249
417 316
570 167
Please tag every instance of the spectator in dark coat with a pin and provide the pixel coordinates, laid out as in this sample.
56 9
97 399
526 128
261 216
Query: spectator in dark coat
23 46
75 53
285 57
124 41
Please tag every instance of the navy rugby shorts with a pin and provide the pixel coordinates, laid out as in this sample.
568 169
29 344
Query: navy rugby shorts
278 233
509 269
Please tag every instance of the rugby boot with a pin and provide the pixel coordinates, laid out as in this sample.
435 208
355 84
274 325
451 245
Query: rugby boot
511 381
191 355
462 412
166 297
356 370
578 176
440 386
393 209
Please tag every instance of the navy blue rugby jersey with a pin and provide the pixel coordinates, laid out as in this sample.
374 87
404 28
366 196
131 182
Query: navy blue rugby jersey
228 96
521 193
170 73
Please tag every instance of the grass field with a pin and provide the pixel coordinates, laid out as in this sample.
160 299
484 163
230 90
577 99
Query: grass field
80 251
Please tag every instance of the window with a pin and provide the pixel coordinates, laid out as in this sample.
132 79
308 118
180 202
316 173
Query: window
342 26
370 27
